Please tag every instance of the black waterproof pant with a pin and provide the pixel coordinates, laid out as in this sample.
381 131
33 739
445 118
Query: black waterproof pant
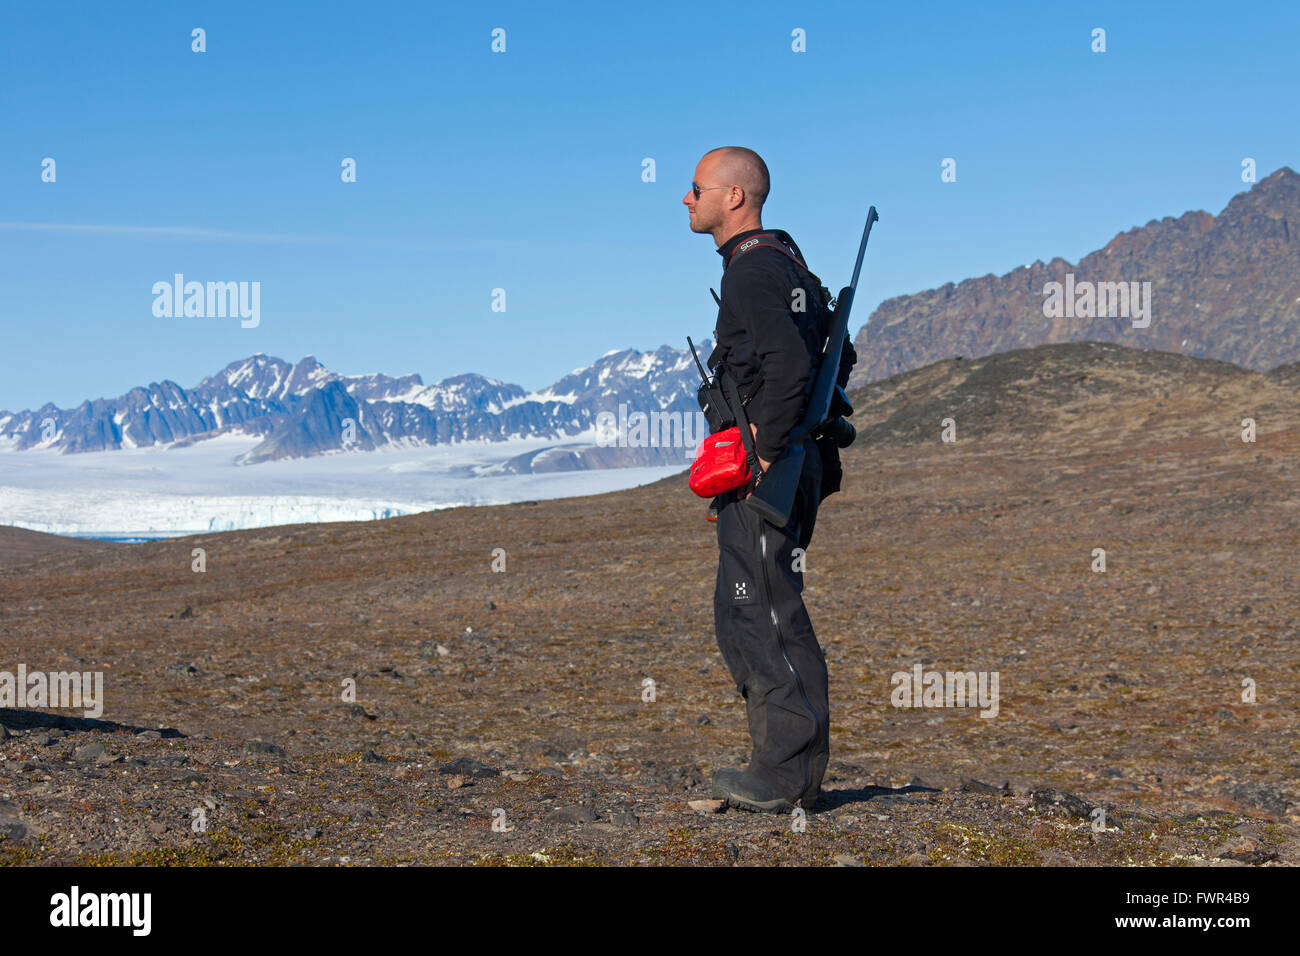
767 640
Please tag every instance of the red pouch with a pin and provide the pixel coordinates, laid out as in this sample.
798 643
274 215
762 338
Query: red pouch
721 464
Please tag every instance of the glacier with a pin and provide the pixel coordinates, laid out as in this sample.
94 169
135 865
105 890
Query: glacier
165 492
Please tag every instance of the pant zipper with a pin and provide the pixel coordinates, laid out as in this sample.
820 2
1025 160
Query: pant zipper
780 639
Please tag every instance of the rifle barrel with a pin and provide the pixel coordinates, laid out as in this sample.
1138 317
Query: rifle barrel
862 247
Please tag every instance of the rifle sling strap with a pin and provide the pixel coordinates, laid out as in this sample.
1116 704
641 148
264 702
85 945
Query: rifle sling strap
732 395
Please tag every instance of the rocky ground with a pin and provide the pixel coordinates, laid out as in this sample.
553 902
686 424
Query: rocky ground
500 716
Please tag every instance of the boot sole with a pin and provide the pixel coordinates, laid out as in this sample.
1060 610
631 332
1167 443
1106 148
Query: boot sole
779 805
764 806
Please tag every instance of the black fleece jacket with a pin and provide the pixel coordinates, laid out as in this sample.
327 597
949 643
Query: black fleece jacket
760 331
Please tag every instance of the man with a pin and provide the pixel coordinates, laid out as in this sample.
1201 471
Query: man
769 337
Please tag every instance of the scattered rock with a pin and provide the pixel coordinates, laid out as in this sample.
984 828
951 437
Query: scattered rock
1052 799
895 799
675 779
976 786
1262 796
847 859
89 753
1246 850
467 767
12 828
258 748
1051 856
353 810
707 806
572 815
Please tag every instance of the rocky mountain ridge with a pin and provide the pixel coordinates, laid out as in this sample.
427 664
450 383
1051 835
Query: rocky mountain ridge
304 409
1225 287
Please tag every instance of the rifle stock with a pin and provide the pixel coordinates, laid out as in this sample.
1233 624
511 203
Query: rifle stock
774 495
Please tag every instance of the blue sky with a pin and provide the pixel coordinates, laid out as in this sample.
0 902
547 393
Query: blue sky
522 170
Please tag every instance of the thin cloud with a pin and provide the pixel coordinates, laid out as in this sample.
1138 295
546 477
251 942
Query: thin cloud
415 244
163 232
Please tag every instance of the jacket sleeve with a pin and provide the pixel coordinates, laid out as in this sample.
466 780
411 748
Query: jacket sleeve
760 298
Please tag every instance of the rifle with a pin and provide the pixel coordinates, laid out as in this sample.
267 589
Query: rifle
774 495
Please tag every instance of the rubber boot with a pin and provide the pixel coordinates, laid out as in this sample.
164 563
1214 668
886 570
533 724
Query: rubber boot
746 792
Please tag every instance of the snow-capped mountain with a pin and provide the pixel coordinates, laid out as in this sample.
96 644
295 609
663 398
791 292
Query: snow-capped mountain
303 409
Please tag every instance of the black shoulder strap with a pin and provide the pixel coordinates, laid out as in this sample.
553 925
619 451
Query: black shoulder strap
773 240
783 243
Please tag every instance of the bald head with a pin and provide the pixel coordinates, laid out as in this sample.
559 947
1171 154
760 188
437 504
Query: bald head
745 168
733 185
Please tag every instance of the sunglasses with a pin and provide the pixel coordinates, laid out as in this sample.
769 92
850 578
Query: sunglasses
703 189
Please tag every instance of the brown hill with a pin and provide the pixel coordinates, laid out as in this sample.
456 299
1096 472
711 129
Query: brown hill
1225 287
522 691
19 544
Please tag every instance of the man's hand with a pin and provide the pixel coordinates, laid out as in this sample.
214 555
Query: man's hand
763 465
